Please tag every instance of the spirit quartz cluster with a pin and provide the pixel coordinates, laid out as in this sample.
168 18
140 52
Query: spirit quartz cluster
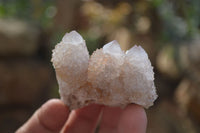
110 76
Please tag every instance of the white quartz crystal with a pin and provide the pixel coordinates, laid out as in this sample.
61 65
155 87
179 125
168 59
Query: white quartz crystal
138 77
111 77
70 59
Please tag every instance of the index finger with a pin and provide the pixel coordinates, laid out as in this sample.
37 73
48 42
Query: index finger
132 119
50 118
83 120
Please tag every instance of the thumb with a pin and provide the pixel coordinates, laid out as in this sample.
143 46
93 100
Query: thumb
49 118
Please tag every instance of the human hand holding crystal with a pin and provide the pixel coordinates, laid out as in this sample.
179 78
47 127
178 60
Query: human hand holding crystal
54 117
94 88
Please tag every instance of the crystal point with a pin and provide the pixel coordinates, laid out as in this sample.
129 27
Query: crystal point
112 48
136 52
73 38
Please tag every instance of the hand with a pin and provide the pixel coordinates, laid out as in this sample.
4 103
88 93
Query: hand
55 117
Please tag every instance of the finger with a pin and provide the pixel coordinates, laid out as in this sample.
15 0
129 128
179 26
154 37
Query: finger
110 119
50 118
133 120
83 120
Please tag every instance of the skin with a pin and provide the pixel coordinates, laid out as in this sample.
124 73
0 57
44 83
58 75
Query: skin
55 117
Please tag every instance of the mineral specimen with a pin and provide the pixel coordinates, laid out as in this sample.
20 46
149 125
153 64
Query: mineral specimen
111 76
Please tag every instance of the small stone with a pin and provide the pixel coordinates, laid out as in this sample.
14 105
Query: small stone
111 77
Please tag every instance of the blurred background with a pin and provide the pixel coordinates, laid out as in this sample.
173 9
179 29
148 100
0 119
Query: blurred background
167 29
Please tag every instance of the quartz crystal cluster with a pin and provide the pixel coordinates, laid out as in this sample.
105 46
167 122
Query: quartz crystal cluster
110 76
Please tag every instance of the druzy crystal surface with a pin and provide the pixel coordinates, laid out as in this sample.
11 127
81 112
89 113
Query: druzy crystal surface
110 76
